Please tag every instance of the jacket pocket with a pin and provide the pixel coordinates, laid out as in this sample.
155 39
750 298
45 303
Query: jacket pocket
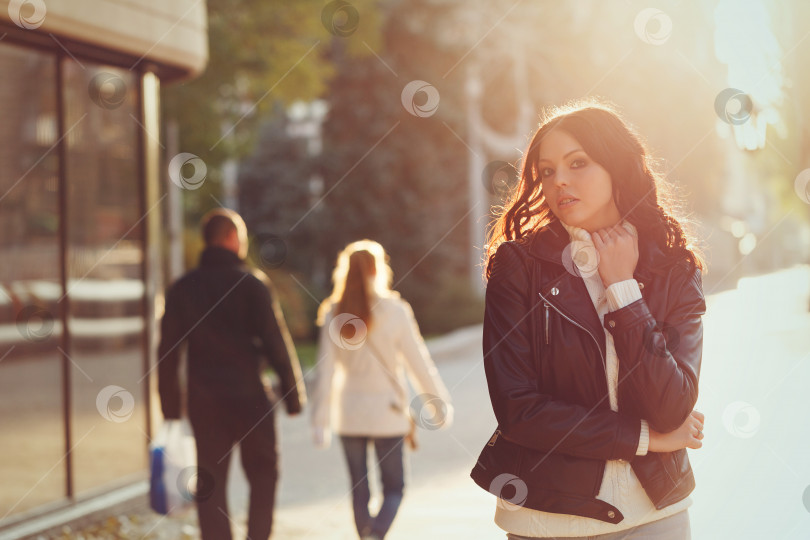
679 479
561 473
500 455
676 465
502 461
667 463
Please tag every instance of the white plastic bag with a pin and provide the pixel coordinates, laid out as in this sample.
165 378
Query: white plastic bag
173 467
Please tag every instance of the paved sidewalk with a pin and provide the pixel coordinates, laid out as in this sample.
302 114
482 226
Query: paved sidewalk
441 501
753 472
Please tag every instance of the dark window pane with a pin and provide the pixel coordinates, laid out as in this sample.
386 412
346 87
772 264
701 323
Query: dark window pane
105 277
32 465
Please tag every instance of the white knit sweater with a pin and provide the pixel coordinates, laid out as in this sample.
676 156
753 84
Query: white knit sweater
620 485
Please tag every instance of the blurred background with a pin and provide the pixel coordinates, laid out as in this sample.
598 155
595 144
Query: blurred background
402 121
305 131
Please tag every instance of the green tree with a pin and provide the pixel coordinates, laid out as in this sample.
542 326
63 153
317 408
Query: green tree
398 178
261 52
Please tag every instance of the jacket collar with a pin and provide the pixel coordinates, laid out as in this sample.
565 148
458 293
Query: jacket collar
218 256
548 243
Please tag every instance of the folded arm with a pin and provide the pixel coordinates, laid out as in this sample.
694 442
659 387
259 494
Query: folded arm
660 360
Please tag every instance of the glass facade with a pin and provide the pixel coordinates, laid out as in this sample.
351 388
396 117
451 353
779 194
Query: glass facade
73 292
31 383
105 273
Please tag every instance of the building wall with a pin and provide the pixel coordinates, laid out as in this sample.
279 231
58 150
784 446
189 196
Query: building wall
168 32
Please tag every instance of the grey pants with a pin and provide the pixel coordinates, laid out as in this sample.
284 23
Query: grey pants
674 527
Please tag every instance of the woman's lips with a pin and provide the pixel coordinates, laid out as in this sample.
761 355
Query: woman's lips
570 202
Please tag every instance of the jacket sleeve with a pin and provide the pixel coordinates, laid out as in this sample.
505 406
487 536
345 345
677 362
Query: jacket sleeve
660 360
619 295
171 337
321 395
278 346
424 375
526 415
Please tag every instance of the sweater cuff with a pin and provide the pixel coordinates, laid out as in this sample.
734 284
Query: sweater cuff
622 293
644 439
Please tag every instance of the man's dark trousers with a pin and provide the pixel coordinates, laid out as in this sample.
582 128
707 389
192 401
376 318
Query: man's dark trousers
216 434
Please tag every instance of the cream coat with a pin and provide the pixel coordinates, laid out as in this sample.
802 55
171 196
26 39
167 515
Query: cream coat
360 387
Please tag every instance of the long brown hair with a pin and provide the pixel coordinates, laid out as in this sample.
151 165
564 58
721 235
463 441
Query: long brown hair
362 270
640 192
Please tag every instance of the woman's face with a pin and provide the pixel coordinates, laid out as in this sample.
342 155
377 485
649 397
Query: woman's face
578 190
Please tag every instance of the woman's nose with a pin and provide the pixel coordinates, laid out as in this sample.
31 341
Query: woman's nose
560 178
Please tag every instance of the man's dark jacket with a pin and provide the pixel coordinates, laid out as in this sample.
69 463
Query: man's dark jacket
544 357
230 320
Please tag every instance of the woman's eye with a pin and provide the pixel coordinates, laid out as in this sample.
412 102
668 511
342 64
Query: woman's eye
578 163
546 172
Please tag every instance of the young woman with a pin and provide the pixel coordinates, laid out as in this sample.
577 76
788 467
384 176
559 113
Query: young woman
368 340
592 341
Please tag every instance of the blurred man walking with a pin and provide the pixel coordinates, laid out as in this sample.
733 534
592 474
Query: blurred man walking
229 318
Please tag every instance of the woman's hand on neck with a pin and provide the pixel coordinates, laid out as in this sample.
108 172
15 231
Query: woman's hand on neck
617 250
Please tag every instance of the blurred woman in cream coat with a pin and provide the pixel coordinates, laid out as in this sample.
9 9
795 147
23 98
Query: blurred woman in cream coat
368 341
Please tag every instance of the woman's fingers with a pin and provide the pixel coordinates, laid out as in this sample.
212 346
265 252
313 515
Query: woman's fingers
597 241
607 234
697 428
699 424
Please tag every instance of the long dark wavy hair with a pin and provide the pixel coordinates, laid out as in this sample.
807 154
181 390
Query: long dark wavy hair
640 192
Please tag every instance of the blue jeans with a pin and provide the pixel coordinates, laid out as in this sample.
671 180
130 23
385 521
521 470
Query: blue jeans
674 527
390 460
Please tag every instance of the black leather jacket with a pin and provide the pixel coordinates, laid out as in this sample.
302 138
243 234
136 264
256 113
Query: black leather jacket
544 357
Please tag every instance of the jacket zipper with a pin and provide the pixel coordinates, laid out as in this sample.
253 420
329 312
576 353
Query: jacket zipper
603 464
572 321
545 319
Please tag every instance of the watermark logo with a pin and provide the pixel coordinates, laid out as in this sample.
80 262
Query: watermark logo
741 419
499 178
429 411
653 26
27 14
272 250
733 106
802 186
806 498
580 258
35 323
107 90
187 171
340 18
420 99
348 331
115 404
195 484
511 491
